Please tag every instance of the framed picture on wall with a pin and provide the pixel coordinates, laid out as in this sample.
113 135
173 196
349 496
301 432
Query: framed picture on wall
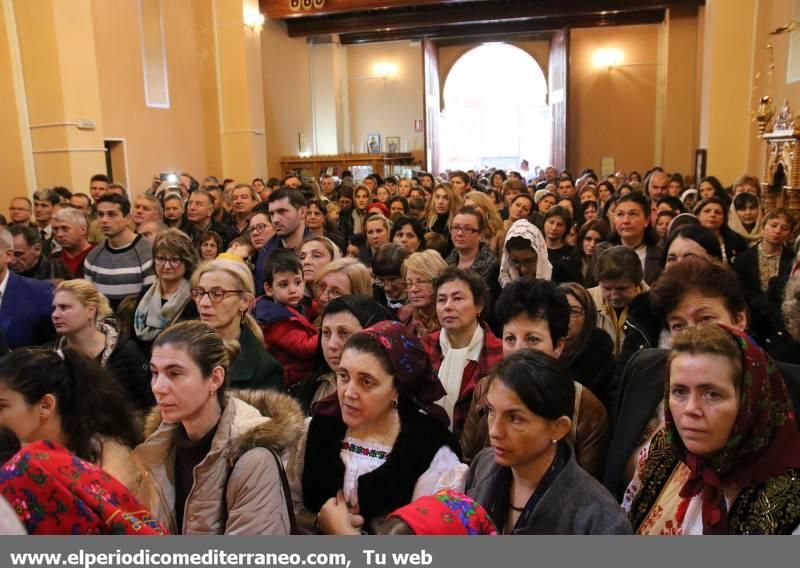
373 143
392 144
700 157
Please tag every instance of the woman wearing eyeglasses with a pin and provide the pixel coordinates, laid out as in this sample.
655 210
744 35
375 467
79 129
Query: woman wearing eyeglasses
260 230
81 319
418 273
168 300
469 251
589 350
223 291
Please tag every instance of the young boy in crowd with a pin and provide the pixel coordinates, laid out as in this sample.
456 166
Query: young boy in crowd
288 335
619 274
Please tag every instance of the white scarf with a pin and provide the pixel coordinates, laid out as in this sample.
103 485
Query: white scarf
531 233
451 373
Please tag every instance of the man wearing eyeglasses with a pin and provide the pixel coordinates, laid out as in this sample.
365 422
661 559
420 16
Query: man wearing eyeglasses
287 211
200 218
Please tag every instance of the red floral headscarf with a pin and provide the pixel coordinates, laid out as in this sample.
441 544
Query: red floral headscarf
55 492
764 441
446 513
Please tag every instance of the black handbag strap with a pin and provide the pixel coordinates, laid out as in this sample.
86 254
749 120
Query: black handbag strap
286 492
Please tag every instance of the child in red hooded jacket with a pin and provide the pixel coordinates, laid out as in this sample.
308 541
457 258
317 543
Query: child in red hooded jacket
288 335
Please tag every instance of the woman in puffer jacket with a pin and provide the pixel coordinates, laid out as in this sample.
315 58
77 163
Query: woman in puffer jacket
211 465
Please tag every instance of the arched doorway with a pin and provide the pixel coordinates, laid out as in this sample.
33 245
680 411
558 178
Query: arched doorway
495 110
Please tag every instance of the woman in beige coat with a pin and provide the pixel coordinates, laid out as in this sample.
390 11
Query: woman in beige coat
211 465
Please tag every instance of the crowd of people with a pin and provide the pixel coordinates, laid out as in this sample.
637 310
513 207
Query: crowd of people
476 352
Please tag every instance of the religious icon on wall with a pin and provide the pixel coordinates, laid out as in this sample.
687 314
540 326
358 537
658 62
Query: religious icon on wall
392 144
373 143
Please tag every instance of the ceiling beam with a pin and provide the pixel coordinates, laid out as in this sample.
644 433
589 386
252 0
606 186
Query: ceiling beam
477 12
285 9
498 31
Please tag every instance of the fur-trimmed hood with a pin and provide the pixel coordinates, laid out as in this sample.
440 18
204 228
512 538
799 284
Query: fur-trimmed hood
255 418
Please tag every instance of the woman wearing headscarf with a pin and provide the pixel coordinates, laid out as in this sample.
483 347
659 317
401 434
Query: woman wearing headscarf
524 253
379 442
727 458
344 317
54 492
745 217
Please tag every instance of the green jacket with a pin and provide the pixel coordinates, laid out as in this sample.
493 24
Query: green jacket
255 368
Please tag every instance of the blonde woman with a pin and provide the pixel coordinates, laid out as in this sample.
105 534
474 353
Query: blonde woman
340 278
223 291
441 209
419 272
81 319
494 234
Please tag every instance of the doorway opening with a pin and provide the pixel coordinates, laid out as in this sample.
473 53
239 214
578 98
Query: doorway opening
496 111
117 160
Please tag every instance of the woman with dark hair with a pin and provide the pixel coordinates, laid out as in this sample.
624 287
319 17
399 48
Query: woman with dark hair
210 246
211 460
465 349
317 222
713 215
589 351
520 207
343 318
498 178
710 187
589 211
408 232
745 217
347 217
369 444
528 480
590 236
67 398
728 447
169 299
564 258
398 205
631 228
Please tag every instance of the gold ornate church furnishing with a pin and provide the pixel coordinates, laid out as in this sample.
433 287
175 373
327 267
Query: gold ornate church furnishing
780 186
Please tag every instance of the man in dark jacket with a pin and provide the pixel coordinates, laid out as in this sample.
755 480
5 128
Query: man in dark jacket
29 259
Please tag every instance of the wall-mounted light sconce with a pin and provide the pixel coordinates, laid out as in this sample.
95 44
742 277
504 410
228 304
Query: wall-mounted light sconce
608 57
385 70
254 19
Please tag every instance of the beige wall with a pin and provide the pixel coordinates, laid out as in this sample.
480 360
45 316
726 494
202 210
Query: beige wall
387 106
612 113
771 14
287 94
12 158
184 137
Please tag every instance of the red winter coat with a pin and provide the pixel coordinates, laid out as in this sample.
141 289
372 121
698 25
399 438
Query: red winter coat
289 337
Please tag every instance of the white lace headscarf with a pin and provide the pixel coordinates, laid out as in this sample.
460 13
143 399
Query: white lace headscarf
531 233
